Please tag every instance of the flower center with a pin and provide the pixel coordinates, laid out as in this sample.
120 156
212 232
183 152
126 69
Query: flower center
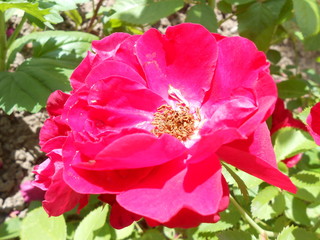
178 123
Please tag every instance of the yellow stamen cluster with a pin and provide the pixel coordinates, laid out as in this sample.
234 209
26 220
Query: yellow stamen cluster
178 123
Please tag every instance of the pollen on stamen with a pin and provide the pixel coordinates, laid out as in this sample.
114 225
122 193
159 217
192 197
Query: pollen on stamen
179 123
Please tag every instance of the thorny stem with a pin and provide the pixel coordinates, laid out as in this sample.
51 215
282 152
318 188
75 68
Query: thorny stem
94 17
263 233
17 30
3 42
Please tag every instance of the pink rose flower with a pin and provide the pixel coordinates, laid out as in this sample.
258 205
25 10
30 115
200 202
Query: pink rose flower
149 119
282 118
313 123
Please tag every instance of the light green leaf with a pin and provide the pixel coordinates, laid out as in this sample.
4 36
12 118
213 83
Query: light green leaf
38 226
296 210
292 88
94 226
124 232
30 8
307 13
295 233
204 15
10 228
234 235
290 141
144 11
238 2
308 184
74 16
56 54
304 114
268 203
258 21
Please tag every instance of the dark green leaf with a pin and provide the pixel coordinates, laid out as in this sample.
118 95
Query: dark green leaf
274 56
258 22
234 235
312 43
290 141
238 2
10 228
144 11
38 226
307 13
224 7
204 15
292 88
152 234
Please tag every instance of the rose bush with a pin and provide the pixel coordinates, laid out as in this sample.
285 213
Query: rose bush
148 121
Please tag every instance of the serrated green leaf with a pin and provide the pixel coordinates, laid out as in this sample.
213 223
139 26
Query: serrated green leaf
38 226
258 21
313 212
234 235
268 204
296 210
92 225
10 228
308 184
144 11
30 8
307 13
292 88
56 54
289 141
295 233
204 15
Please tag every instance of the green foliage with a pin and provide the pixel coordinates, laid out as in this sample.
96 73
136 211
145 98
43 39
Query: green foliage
55 55
292 88
234 235
268 203
290 141
93 226
38 226
295 233
204 15
307 13
10 228
144 11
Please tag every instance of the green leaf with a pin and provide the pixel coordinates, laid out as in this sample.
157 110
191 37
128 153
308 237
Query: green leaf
308 185
152 234
234 235
10 228
242 186
307 13
296 210
289 141
94 226
238 2
145 11
204 15
268 203
258 22
311 43
295 233
304 114
56 54
124 232
224 7
30 8
292 88
38 226
274 56
74 16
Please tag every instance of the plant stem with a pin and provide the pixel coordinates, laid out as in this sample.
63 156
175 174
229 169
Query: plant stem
16 31
3 42
95 14
247 218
